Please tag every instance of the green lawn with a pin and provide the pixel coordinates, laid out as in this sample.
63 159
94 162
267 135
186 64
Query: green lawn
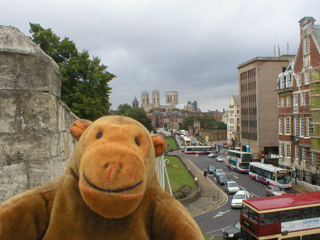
179 176
172 144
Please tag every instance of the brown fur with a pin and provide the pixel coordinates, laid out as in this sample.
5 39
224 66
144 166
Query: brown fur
108 191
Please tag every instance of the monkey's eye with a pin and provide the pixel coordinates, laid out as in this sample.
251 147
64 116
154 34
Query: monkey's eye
99 134
137 141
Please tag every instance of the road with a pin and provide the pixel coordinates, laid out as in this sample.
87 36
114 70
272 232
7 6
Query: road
213 222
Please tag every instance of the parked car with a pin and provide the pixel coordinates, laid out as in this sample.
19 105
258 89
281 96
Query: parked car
238 197
212 155
231 187
211 169
232 232
218 171
222 179
273 190
219 159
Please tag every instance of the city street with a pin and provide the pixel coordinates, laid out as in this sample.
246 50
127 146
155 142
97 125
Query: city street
215 221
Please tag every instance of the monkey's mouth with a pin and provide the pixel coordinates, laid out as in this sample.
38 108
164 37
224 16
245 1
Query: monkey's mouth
111 190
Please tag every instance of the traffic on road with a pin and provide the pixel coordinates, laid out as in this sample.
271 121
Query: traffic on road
226 215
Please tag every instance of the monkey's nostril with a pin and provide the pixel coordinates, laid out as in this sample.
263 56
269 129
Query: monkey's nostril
106 166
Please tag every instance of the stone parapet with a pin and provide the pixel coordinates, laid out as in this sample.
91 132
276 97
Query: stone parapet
34 134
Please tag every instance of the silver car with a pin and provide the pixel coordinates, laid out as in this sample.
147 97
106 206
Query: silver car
231 187
273 190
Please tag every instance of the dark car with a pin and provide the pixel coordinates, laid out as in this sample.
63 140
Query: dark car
222 179
211 169
232 232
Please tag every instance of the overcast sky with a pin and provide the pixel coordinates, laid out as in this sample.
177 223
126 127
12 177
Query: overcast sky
193 47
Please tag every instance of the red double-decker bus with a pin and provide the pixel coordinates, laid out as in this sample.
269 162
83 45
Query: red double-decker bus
292 216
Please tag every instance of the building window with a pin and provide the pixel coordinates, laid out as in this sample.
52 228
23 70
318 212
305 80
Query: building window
304 155
296 126
280 126
303 99
281 82
288 101
280 150
295 100
306 77
288 126
288 81
310 128
301 127
288 150
307 44
298 76
296 152
282 102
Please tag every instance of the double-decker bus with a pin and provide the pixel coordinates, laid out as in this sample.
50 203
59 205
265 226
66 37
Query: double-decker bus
198 149
269 174
292 216
239 161
187 141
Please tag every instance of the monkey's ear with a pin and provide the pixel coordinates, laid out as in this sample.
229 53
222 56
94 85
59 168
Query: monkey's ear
159 144
78 127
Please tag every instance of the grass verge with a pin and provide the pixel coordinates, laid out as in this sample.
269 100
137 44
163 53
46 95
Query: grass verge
178 174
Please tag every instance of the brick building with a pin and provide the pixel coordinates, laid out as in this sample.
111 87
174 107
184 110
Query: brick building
296 126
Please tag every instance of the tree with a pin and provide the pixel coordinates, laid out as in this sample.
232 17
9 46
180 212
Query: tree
206 122
138 114
85 81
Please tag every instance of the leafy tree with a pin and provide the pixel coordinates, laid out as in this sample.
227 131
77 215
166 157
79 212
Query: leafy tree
85 81
206 122
138 114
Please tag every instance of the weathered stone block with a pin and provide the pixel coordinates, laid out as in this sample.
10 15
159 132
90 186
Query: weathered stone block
13 179
38 112
8 109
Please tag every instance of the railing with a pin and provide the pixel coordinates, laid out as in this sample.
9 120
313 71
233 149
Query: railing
163 173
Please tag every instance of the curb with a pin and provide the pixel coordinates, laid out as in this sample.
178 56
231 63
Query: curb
223 199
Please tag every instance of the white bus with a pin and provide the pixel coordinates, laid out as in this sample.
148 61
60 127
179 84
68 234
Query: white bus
269 174
198 149
239 161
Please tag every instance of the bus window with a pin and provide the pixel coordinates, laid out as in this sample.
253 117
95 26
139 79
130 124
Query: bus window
311 212
290 215
246 235
244 210
283 177
269 218
311 237
253 215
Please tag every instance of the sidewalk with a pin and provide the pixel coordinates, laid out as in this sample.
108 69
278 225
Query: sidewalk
211 195
300 188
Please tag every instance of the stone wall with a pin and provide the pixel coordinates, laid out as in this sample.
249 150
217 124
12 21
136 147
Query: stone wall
35 142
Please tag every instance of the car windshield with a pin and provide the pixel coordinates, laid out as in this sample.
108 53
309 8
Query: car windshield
219 171
223 177
233 184
237 225
239 196
276 188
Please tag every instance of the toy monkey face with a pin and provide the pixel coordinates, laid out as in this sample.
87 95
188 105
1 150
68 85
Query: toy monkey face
115 166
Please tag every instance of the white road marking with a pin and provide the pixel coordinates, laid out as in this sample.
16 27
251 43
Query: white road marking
220 214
